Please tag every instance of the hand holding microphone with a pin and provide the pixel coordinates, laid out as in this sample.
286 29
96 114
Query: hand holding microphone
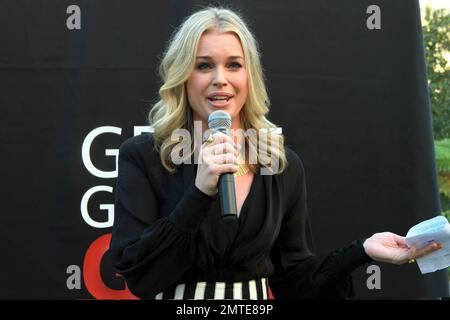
218 163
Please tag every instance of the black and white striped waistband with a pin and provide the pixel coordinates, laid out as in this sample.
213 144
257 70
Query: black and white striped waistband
248 290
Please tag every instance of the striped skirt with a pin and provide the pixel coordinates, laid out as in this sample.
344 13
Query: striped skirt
248 290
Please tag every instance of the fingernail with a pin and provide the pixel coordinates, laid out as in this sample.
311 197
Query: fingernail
239 147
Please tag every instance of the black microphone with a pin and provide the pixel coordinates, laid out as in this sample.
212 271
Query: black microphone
221 121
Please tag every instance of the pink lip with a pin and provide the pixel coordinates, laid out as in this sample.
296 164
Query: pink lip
219 103
220 93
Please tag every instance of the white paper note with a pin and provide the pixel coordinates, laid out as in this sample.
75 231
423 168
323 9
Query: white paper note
436 229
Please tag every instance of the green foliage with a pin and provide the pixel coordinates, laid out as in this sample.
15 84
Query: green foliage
442 154
436 38
445 204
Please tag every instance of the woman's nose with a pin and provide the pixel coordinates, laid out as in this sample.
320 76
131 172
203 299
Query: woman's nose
219 78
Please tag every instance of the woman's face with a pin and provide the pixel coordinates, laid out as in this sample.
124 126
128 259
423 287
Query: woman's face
219 78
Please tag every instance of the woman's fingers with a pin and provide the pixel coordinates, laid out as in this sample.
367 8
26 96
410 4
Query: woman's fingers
223 148
219 159
220 137
225 154
225 168
221 144
400 240
226 158
218 155
419 253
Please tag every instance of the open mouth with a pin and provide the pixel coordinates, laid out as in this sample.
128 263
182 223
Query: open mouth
219 98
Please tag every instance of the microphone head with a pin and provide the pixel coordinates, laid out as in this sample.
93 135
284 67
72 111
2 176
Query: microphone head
219 119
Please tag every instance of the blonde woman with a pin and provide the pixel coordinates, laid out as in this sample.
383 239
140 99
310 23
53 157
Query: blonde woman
169 239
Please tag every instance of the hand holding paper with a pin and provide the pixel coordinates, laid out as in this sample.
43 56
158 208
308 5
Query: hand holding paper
424 240
437 230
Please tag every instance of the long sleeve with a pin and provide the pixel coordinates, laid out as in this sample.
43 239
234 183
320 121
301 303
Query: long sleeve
151 252
299 274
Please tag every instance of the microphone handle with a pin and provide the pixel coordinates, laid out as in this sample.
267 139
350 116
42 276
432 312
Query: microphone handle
227 196
227 193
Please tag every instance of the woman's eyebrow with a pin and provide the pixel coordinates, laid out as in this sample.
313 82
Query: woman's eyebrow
210 58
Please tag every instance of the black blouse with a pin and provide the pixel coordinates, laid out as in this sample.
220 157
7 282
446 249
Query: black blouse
167 231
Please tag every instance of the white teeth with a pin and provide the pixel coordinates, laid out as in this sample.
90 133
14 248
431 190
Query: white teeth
219 98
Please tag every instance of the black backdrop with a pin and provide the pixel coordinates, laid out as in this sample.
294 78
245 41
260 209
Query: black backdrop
352 102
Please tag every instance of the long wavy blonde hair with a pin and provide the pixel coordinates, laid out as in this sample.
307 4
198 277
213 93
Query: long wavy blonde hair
173 112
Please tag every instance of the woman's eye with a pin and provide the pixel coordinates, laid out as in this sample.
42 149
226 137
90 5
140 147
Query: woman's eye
235 65
203 66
